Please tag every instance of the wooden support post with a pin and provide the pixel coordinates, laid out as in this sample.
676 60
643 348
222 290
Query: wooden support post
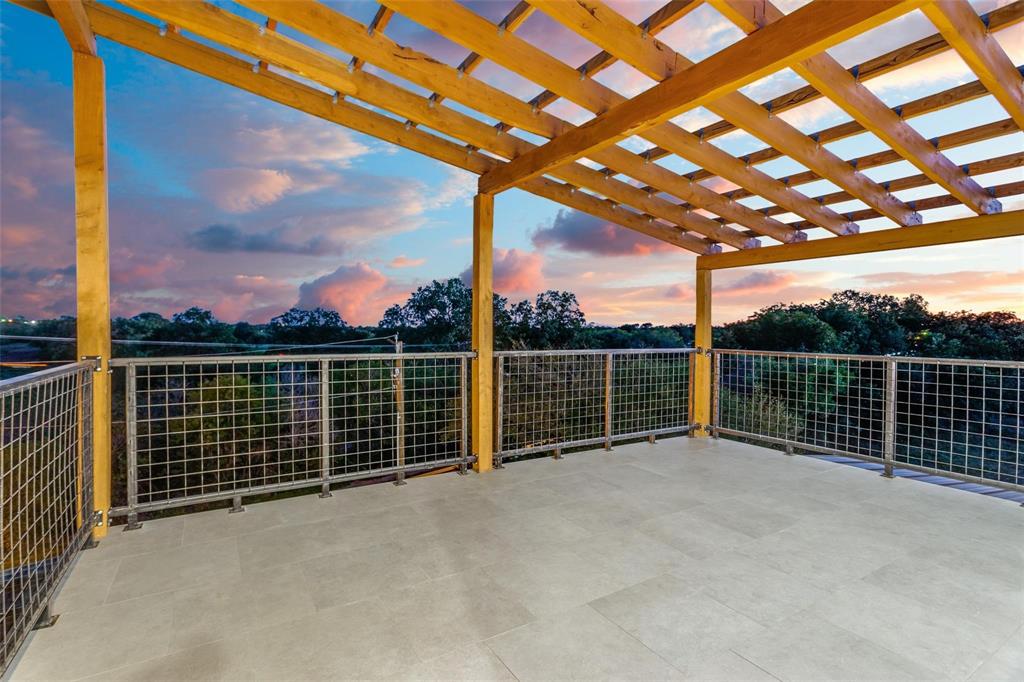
483 331
93 260
702 360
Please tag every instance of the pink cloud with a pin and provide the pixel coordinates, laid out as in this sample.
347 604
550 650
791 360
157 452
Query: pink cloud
679 292
406 262
517 271
358 292
31 159
241 190
757 282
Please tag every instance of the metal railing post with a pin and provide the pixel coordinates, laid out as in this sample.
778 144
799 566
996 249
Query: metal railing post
889 428
716 379
463 416
609 360
499 412
325 427
399 385
131 422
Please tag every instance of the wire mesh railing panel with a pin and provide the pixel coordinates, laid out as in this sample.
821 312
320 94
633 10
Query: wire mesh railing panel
549 400
46 493
650 391
206 429
217 426
363 415
961 418
434 406
830 402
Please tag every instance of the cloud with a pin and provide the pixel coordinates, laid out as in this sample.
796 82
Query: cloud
582 233
228 238
679 292
241 190
406 262
965 287
358 292
515 271
31 159
758 282
316 145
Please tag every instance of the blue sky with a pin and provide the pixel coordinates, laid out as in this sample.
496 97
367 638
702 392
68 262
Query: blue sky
227 201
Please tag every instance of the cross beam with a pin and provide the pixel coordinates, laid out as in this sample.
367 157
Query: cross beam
800 35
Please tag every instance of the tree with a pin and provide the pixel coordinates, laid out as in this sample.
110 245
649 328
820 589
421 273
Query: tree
317 326
785 329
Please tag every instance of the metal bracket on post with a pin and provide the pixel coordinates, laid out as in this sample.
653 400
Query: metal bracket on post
47 619
789 449
497 461
236 505
463 468
325 428
558 453
98 359
400 478
133 522
889 427
652 438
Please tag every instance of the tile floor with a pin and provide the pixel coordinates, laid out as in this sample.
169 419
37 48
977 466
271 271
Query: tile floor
689 559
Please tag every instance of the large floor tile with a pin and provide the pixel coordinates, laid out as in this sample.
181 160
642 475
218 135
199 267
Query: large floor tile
808 648
578 645
1006 664
345 577
461 608
469 662
556 580
93 640
927 635
694 535
174 569
629 555
677 620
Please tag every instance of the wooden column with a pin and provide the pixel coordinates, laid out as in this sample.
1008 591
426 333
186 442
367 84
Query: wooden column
93 259
702 361
483 331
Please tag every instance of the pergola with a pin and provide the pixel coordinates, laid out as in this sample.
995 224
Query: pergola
581 167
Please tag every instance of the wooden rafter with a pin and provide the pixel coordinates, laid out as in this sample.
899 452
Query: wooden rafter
145 37
642 199
829 77
513 20
219 25
994 226
336 29
806 32
963 29
907 55
517 55
603 26
70 14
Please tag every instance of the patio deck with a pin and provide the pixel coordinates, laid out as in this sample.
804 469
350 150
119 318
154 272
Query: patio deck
690 558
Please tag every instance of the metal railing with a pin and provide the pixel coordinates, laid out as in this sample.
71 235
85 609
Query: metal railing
551 400
216 428
958 418
46 492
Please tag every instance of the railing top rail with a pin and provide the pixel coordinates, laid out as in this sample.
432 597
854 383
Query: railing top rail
592 351
14 383
269 359
895 358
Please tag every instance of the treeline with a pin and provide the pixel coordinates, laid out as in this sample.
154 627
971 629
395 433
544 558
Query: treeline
438 317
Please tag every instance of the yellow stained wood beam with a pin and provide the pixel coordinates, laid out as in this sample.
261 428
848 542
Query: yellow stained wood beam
839 85
963 29
70 14
806 32
606 28
334 28
974 228
140 35
701 409
483 332
92 260
512 52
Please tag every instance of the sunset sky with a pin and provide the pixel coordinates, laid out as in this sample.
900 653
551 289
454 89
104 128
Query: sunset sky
230 202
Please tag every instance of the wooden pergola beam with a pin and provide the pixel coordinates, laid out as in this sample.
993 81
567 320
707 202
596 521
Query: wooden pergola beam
379 22
974 228
145 37
70 15
963 29
512 52
221 26
603 26
344 33
808 31
998 19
